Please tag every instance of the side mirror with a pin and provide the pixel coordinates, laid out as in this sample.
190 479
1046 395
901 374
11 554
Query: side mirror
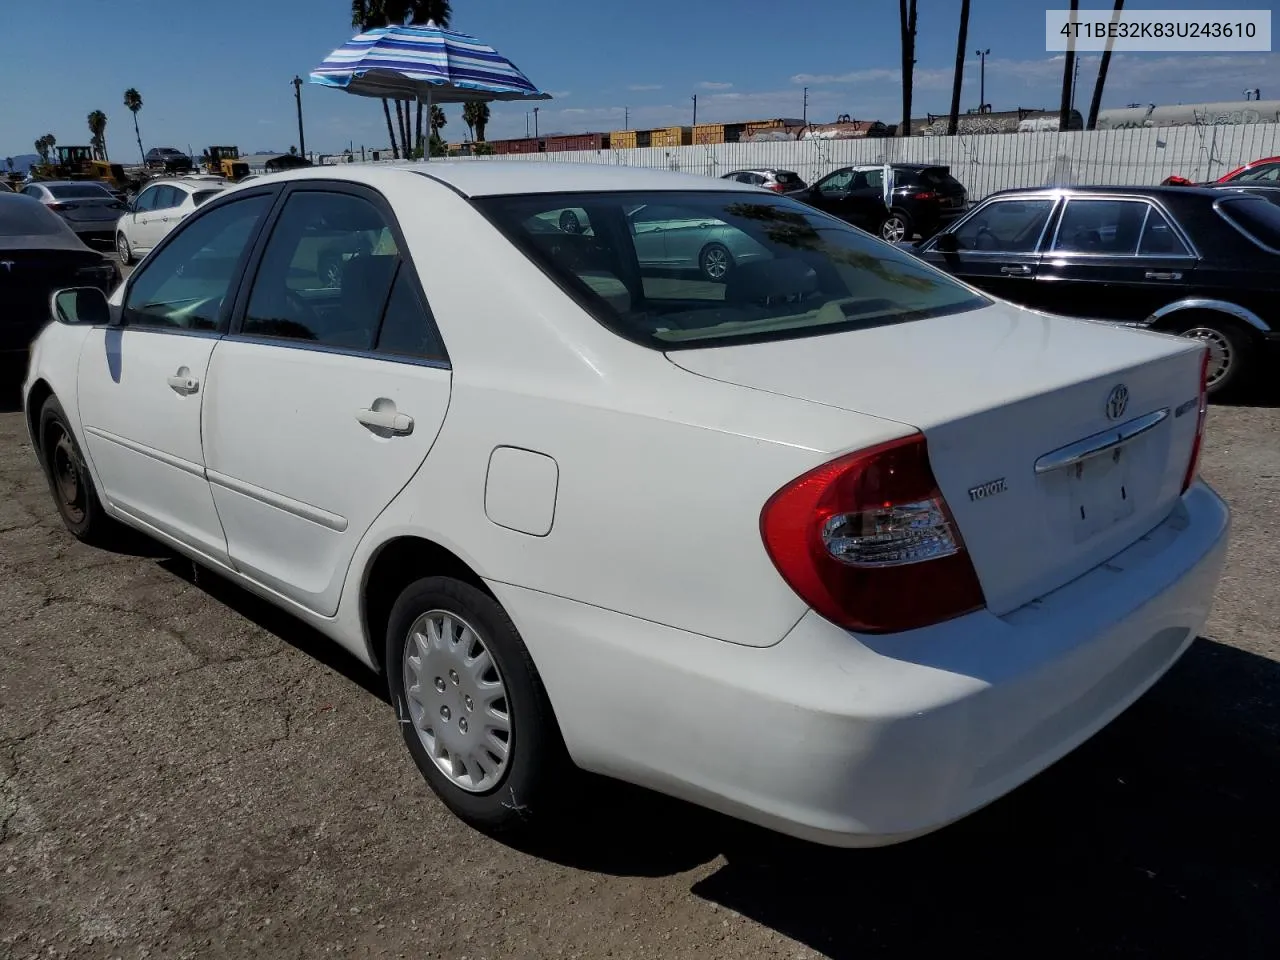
947 243
82 306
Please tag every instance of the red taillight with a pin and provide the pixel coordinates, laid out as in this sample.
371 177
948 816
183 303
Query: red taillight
924 195
61 206
868 541
776 187
1193 466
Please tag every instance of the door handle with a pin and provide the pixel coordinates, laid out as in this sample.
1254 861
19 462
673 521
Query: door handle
184 385
1163 275
1021 270
388 420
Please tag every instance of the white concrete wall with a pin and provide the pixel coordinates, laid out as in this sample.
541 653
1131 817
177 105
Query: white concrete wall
984 164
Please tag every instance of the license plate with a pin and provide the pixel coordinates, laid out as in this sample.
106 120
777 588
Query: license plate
1101 494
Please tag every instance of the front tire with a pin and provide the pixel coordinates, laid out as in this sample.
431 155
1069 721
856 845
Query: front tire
70 483
1232 351
123 249
472 708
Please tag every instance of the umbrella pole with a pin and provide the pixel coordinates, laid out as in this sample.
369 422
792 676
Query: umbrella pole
426 146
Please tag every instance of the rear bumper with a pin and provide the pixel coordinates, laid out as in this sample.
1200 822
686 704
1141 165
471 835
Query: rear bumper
865 741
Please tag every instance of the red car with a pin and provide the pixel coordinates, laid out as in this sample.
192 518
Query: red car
1267 169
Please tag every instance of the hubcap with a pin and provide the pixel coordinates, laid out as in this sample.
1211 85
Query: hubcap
66 477
122 246
457 701
716 263
893 230
1220 353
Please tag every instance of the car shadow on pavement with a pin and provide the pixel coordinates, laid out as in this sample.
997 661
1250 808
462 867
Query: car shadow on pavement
1158 838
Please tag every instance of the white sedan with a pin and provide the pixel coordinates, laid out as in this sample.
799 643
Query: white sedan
157 209
838 545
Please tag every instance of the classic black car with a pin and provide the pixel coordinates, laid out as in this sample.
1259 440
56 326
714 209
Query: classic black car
1195 261
925 197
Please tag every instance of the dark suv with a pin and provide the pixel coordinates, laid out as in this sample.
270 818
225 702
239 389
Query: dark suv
168 159
1200 262
925 198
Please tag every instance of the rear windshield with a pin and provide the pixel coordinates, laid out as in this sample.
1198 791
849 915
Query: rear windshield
696 269
1255 218
78 191
24 217
200 196
938 177
786 176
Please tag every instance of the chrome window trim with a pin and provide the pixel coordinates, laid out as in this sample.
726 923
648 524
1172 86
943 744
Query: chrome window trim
1099 443
289 344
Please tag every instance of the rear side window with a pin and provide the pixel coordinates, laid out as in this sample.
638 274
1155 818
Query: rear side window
1105 227
200 196
1255 218
408 329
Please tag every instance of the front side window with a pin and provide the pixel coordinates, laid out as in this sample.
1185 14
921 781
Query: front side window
326 273
184 284
1004 226
1107 227
147 200
837 183
672 269
869 180
1267 173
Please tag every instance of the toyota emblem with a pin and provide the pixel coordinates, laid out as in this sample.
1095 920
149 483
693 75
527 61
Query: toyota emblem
1117 401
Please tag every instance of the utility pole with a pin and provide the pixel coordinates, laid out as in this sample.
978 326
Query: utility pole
297 94
626 118
805 114
982 80
526 124
695 109
535 123
1075 80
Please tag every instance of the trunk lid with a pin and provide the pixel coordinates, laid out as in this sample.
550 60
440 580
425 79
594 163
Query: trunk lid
1003 394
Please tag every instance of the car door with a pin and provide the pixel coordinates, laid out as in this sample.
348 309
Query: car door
324 400
831 194
142 380
1113 258
865 203
996 248
145 233
648 231
166 215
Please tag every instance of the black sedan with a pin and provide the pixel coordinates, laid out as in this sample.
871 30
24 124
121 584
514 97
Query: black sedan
39 254
1195 261
168 159
924 198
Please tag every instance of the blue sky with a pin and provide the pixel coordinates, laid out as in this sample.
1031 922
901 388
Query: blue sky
220 72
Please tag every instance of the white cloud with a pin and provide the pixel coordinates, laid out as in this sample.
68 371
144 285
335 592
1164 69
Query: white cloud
714 85
645 86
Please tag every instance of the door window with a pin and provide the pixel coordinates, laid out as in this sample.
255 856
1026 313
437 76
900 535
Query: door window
836 184
1268 173
869 180
184 284
1159 239
408 329
1108 227
1005 226
326 273
147 200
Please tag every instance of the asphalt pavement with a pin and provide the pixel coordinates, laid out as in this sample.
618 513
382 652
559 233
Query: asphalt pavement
186 772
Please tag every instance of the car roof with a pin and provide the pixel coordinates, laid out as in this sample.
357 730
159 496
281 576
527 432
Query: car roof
490 178
1145 191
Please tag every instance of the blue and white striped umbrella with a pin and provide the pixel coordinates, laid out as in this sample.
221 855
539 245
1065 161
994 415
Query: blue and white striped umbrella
424 63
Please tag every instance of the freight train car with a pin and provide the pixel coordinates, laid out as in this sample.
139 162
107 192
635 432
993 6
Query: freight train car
1190 114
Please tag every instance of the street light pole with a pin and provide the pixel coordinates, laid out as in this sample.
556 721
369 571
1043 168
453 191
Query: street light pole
297 93
982 80
805 115
626 118
535 123
695 109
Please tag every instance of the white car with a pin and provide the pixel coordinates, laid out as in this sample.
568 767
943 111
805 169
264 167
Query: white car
839 545
157 209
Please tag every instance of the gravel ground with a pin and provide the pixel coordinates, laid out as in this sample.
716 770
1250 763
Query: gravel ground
185 772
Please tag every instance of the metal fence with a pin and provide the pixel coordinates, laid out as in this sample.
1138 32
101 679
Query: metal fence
984 164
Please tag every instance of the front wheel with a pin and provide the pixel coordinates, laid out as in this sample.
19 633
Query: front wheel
896 227
715 261
472 707
69 481
123 249
1231 351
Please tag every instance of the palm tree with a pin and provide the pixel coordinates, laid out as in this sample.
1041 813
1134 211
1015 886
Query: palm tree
365 15
133 100
98 129
476 116
907 24
1068 68
1101 82
962 38
44 145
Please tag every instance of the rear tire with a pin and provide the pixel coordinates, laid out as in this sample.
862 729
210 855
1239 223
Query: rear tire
716 262
123 249
1232 350
472 708
70 482
896 227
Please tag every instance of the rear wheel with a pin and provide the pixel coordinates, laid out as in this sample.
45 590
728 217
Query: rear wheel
715 261
472 708
1231 350
69 481
896 227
